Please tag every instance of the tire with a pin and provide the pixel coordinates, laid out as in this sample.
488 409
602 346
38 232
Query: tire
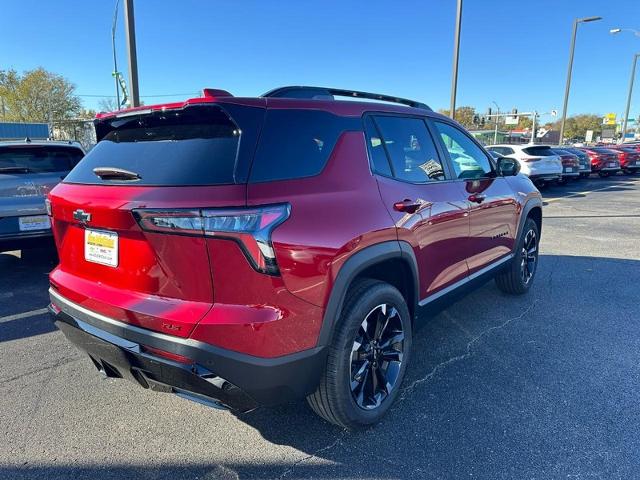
603 174
518 276
341 398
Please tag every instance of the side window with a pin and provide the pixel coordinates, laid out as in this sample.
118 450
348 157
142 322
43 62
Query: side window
295 144
467 158
410 148
507 151
379 160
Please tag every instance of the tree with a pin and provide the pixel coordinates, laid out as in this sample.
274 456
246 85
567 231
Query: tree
464 116
108 104
577 125
37 96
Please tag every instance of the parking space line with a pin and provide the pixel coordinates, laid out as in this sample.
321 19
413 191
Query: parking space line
18 316
578 194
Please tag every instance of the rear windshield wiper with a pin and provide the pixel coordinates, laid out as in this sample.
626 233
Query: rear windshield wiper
115 173
15 169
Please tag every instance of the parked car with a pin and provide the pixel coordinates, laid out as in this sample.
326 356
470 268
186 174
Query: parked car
604 161
629 159
538 162
570 165
249 251
28 171
583 159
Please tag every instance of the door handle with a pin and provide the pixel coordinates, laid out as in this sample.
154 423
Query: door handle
477 197
407 205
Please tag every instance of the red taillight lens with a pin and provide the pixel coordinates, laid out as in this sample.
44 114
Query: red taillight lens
169 355
250 227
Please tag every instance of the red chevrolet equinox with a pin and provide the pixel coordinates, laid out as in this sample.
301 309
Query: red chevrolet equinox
242 252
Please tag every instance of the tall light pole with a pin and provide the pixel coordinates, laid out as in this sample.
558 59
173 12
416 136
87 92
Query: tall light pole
115 61
570 68
456 56
633 75
131 49
495 132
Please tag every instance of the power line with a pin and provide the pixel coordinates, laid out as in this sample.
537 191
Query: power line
145 96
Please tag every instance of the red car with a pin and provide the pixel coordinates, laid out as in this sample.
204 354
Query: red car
249 251
604 161
629 158
570 165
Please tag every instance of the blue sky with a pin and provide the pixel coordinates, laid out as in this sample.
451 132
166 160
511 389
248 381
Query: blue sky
512 52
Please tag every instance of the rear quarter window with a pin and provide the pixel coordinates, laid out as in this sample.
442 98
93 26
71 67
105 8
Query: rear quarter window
297 143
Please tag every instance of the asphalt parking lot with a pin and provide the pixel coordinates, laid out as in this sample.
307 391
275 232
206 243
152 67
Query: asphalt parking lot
540 386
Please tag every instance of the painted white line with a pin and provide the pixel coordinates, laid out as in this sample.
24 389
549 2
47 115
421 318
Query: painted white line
18 316
579 194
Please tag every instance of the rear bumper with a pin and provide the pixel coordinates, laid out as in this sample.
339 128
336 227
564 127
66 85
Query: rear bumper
213 376
545 177
26 240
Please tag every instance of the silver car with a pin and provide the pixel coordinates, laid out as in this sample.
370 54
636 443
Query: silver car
28 171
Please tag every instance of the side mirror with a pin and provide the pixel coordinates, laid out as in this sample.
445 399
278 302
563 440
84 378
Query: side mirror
508 167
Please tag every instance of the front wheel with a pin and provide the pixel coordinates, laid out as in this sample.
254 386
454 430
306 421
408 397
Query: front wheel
518 276
367 357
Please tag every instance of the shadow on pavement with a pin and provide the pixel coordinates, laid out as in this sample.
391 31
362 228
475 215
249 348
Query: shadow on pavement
618 183
542 385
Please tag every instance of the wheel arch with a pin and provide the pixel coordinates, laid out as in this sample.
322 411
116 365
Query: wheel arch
392 261
532 209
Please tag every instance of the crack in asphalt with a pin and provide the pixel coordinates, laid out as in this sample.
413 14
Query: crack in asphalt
43 369
467 353
311 456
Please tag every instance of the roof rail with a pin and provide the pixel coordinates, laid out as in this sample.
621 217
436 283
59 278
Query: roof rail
325 93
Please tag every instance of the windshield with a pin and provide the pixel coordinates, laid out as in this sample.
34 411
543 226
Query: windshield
38 158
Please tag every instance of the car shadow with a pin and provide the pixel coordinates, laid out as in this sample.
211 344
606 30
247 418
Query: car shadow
542 385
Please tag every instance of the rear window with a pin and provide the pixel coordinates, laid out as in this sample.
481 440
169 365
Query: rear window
197 145
297 143
539 151
38 158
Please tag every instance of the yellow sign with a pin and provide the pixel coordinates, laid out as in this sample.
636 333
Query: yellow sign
609 119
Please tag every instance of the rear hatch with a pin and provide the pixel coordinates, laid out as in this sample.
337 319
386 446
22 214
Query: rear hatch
28 172
543 158
168 162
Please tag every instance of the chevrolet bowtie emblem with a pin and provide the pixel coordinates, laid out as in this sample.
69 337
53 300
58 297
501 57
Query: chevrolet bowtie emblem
82 216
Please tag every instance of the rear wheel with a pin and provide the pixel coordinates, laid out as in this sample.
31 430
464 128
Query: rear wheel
518 276
603 174
367 357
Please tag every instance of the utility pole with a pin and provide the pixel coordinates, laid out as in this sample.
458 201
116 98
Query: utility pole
456 56
115 62
572 48
495 132
626 112
131 49
533 126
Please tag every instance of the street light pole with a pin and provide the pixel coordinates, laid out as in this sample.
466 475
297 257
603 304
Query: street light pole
626 111
131 49
456 56
633 74
495 132
570 68
115 62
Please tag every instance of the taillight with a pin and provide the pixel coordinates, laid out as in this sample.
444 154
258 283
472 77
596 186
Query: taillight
47 205
250 228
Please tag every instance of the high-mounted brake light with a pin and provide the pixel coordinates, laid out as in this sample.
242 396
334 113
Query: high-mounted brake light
251 228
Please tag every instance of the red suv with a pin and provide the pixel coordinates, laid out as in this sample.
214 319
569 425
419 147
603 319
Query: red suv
250 251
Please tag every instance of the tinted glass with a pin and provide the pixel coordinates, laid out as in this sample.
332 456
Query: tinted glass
296 144
502 150
38 159
193 146
411 149
379 160
467 158
540 151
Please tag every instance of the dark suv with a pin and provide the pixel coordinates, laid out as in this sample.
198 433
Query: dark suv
251 251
